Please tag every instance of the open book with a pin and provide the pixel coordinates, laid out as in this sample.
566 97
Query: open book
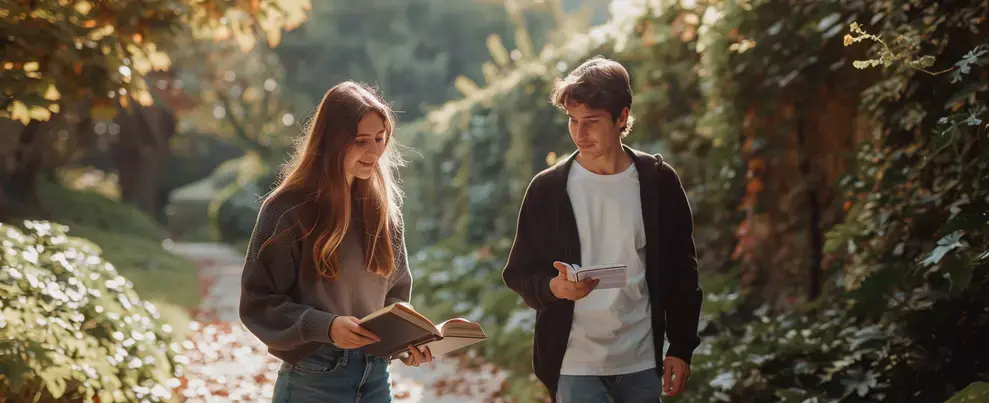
608 275
398 325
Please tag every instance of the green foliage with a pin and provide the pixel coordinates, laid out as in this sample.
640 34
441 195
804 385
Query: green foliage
912 248
223 206
91 209
825 352
919 202
789 358
411 50
72 327
243 183
159 276
132 242
194 156
100 52
243 97
453 282
261 100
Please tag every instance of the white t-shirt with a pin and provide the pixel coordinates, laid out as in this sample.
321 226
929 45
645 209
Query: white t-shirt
612 329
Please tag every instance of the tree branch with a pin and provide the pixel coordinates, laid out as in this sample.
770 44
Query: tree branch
240 133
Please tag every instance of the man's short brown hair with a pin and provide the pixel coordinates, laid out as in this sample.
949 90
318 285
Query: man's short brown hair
598 83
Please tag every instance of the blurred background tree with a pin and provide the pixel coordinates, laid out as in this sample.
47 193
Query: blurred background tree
92 60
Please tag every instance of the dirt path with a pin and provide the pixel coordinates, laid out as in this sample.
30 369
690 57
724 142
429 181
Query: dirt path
226 363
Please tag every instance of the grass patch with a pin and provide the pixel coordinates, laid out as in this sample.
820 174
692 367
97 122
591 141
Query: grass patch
91 209
168 280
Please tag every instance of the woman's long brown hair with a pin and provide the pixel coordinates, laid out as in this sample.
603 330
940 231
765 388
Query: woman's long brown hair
316 171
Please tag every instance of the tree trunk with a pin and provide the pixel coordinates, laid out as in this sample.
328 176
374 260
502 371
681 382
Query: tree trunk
140 154
20 184
810 181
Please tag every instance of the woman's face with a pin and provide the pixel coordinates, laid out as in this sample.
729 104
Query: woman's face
362 157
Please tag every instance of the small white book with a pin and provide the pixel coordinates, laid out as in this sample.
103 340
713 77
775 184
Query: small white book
608 275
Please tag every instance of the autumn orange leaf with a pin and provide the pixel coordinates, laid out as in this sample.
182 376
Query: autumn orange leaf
754 186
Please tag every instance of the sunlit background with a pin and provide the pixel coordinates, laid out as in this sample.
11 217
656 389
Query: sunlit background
835 154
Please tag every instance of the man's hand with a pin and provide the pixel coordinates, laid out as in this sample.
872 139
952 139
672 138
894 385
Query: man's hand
566 289
679 371
345 332
417 356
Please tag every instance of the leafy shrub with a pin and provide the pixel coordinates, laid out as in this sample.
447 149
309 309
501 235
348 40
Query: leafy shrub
166 279
224 205
237 208
453 281
824 353
72 328
131 240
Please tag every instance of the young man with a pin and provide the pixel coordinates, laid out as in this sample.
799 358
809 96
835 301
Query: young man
606 204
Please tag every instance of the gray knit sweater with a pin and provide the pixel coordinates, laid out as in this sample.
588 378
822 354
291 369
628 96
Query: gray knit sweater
287 304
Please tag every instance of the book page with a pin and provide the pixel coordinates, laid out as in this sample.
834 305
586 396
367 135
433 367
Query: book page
450 344
610 276
405 311
572 272
460 327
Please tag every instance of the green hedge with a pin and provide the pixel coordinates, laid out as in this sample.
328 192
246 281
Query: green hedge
91 209
72 328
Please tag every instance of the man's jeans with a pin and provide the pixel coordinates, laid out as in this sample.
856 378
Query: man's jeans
638 387
334 375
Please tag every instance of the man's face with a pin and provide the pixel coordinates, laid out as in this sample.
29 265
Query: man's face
593 131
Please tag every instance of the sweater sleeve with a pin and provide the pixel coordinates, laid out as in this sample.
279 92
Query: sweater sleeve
401 285
270 273
521 272
684 307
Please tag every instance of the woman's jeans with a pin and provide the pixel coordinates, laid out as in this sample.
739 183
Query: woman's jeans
334 375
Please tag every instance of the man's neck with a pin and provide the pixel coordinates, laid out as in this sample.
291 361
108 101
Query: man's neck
609 163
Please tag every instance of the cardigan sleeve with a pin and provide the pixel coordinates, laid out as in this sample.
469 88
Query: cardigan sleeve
521 272
684 306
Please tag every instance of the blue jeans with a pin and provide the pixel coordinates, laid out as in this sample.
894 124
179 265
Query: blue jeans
334 375
637 387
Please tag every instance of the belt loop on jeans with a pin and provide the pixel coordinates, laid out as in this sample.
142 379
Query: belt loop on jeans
344 353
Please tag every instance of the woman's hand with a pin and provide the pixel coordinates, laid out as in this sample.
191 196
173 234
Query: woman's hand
346 332
416 356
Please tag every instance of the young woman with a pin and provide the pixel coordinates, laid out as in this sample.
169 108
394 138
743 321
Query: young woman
328 248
